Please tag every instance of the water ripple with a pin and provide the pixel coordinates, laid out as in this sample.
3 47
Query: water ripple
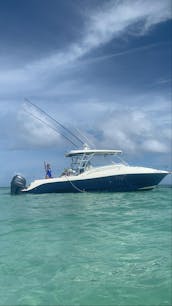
86 249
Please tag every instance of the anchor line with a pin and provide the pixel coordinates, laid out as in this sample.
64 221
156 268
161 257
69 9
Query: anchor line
73 185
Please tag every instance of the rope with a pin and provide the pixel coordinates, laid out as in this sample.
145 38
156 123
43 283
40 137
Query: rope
73 185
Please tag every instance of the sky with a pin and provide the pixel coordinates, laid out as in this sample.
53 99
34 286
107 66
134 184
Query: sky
100 67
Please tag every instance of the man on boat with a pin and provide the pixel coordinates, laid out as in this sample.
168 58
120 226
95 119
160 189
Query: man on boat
48 173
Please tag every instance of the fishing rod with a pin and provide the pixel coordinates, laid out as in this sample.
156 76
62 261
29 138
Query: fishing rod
84 137
57 122
50 126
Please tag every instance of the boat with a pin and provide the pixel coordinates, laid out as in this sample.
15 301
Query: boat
84 175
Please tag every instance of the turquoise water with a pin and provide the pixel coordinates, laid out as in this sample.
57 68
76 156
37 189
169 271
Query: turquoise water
86 249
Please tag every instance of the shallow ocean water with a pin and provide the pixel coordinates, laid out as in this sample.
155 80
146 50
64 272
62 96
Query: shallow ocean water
86 249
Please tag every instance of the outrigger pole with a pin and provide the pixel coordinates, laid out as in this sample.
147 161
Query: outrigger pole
50 126
57 122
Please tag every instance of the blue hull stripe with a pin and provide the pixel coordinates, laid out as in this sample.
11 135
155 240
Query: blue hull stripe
117 183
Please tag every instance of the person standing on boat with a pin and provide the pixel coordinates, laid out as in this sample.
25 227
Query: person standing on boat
48 173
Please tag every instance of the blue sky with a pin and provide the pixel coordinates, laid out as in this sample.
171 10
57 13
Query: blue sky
103 67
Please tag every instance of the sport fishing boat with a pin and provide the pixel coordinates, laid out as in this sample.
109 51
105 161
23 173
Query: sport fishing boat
82 176
86 175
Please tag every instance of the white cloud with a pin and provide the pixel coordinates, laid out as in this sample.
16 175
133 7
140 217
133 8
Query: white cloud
22 131
135 129
112 20
108 22
154 145
138 129
117 16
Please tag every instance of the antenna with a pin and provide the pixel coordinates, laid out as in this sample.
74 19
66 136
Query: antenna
54 120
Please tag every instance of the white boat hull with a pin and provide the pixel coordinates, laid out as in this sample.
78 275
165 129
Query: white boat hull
97 179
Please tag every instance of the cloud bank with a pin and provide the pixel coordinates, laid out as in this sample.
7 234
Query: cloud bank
133 129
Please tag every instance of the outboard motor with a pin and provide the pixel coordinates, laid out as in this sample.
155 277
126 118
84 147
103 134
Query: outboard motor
17 184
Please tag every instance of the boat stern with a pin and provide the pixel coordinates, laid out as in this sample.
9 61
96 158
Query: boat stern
18 183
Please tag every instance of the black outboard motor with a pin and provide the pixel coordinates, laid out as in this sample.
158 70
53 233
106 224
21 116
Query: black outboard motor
17 184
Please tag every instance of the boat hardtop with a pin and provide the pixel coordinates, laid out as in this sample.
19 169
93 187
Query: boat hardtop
88 151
